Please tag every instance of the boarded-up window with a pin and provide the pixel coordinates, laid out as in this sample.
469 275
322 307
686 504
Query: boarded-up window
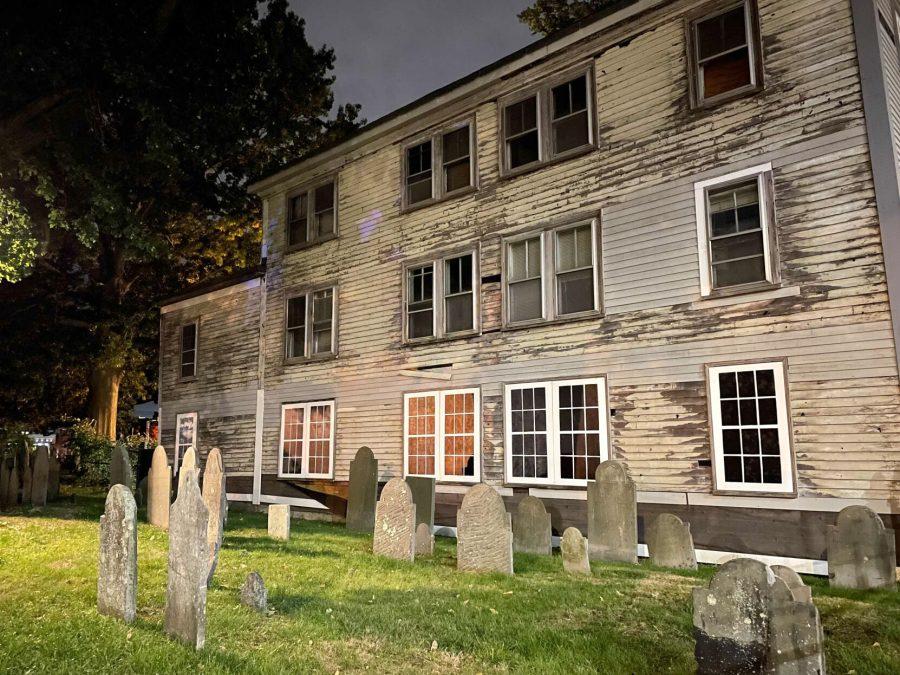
188 367
724 52
442 434
750 427
556 432
307 439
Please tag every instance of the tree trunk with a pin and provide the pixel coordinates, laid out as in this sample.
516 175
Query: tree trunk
104 401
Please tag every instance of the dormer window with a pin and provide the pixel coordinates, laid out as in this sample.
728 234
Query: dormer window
440 166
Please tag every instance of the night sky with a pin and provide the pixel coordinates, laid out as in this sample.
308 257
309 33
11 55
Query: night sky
390 52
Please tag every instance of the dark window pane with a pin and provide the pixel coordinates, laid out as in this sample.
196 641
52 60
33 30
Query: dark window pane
571 132
729 413
750 441
726 73
459 274
189 336
565 396
516 419
528 447
540 444
187 369
591 395
418 159
457 175
518 467
721 33
566 468
459 313
740 246
521 116
565 420
752 470
723 222
528 418
540 467
421 324
771 469
296 312
575 291
565 444
739 272
748 411
768 411
529 466
295 340
528 399
765 382
540 399
324 199
516 399
456 144
523 150
577 396
770 444
727 386
733 470
731 441
297 219
540 420
525 300
745 384
420 190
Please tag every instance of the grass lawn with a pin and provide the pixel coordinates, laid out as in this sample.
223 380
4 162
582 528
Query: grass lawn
338 608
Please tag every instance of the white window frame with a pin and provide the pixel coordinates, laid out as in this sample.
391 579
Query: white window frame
194 445
784 430
304 464
307 354
551 388
196 324
439 297
440 395
763 174
549 295
439 190
310 192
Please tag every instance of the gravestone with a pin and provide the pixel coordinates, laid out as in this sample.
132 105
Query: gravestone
753 619
280 521
4 484
670 543
612 514
531 527
53 479
574 549
117 577
861 551
424 540
362 492
25 486
188 564
189 461
159 489
254 594
40 476
141 493
120 467
395 522
214 498
422 489
484 533
12 490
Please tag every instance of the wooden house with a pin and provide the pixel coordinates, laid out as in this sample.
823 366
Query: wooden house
669 235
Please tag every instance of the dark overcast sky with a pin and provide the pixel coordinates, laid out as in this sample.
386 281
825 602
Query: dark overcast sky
390 52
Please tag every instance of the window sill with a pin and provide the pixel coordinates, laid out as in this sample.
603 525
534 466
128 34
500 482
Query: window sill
186 380
308 244
306 360
756 293
298 476
728 97
546 485
421 342
462 192
753 493
538 323
507 174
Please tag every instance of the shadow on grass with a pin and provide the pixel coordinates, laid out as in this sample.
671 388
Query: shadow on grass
261 544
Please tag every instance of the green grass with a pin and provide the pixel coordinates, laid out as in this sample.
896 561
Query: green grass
338 608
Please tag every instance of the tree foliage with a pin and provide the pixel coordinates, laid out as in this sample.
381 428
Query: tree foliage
128 133
548 16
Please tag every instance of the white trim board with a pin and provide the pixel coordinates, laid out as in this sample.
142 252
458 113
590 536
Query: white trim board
212 295
463 489
272 499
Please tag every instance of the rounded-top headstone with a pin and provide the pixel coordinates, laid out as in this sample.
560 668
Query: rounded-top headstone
117 571
188 463
861 551
395 522
611 471
214 498
362 491
41 476
670 543
254 594
159 489
574 552
612 514
531 527
484 535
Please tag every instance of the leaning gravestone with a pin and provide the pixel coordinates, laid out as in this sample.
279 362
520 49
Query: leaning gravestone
395 522
40 476
117 578
254 594
750 620
574 549
612 514
280 521
53 479
531 527
424 540
120 467
483 531
159 489
362 491
670 543
861 551
422 489
214 498
188 564
189 461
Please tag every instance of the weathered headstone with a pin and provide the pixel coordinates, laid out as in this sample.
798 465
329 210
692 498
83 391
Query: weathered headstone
395 522
189 461
214 498
750 620
40 476
188 564
362 491
120 467
254 594
140 495
53 478
280 521
574 549
531 527
670 543
612 514
424 540
484 533
422 489
12 490
117 578
159 489
861 551
25 487
4 484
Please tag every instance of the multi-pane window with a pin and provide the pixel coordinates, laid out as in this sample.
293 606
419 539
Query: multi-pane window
188 363
750 428
447 155
442 434
552 274
724 52
734 230
306 448
185 435
556 432
310 324
550 122
441 297
311 215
